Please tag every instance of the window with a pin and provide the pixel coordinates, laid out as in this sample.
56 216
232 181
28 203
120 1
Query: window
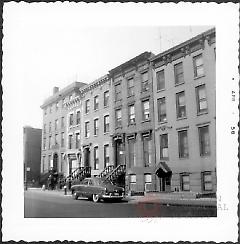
185 182
162 114
204 140
77 140
132 152
160 80
131 114
118 122
49 161
181 105
145 83
44 143
182 144
148 178
78 117
44 129
198 66
56 124
87 106
43 163
70 144
96 103
146 110
62 122
50 127
133 179
164 146
56 139
96 127
70 119
207 181
178 72
62 139
87 129
63 102
106 123
106 98
49 142
57 106
202 106
130 86
106 155
62 162
147 151
96 159
118 92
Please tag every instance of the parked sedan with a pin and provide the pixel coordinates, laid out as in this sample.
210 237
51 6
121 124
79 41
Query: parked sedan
97 188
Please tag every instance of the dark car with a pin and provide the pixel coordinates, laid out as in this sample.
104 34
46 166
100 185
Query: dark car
97 188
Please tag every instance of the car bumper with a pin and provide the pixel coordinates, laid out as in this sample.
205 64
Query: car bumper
112 196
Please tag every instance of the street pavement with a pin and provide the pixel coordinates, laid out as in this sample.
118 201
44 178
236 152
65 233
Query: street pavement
54 204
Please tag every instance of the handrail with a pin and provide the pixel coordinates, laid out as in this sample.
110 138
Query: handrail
106 170
119 169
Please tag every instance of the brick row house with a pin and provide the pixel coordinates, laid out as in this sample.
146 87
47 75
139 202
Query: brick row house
148 125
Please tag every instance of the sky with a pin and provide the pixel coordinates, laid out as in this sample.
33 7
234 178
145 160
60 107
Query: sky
51 46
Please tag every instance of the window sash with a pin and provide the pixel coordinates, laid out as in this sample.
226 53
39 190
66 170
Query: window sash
182 144
96 128
106 124
204 139
130 87
96 103
87 129
164 146
178 71
201 99
78 117
132 152
133 179
117 92
146 110
147 151
162 113
181 105
185 180
160 80
106 98
198 65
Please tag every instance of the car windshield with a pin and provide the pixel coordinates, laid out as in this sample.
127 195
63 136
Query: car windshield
102 181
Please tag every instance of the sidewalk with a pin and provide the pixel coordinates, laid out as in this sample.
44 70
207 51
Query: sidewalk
173 199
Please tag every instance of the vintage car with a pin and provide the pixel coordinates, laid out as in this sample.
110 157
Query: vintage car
97 188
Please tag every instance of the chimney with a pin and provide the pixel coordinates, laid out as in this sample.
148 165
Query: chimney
55 89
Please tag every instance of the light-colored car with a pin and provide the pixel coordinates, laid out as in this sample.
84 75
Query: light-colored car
97 188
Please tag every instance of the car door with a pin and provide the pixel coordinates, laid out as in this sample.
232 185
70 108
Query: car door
82 188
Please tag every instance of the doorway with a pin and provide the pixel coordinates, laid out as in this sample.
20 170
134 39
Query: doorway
55 162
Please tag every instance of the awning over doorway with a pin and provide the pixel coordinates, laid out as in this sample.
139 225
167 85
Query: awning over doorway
163 170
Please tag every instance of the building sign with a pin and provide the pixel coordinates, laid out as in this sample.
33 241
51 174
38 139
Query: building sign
72 156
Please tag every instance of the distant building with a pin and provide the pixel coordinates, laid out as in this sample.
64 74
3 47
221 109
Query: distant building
32 154
54 133
184 86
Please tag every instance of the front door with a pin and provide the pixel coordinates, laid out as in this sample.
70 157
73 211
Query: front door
162 183
55 162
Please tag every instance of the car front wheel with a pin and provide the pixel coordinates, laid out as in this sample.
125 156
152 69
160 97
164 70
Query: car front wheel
95 197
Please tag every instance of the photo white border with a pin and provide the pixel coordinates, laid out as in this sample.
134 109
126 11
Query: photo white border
225 17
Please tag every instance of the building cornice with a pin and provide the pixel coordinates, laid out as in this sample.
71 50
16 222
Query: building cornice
62 93
184 48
